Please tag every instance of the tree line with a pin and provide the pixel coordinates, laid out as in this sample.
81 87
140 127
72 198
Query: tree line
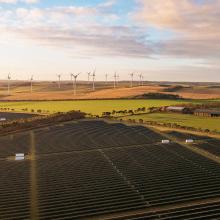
125 112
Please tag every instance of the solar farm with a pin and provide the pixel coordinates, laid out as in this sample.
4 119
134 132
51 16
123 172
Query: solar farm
9 116
212 146
91 169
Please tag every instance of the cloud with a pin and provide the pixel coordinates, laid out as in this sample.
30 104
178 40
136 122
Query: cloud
191 48
77 30
194 24
16 1
186 16
95 31
100 41
107 4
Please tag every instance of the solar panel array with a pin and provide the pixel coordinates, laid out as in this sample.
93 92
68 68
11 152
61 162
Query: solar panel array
81 185
14 190
167 174
14 116
91 169
182 136
90 135
210 145
204 211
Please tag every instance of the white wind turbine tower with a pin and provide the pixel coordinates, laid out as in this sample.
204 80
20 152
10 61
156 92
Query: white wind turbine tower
140 79
88 74
74 84
115 79
59 80
31 81
106 78
132 79
71 78
93 80
9 78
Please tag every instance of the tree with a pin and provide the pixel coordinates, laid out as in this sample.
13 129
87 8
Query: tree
106 114
141 121
130 112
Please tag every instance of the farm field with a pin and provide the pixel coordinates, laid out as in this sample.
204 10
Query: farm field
181 119
95 107
46 90
94 170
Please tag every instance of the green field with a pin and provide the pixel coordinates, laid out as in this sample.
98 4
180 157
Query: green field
88 106
181 119
96 107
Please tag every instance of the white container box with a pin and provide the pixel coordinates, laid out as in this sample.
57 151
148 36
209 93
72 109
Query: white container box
189 140
19 156
165 141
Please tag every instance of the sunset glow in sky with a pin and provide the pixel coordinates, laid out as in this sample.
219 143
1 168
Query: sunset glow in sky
173 40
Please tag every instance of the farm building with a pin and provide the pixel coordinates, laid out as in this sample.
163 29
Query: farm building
207 113
178 109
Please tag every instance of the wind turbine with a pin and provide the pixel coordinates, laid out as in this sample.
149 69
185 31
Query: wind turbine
9 78
74 84
132 79
31 80
93 80
140 79
88 74
115 80
106 78
71 78
59 80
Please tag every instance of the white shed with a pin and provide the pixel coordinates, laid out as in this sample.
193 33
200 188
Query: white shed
165 141
19 156
189 140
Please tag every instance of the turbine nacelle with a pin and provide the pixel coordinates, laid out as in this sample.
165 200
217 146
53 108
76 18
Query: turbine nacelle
9 76
93 78
59 77
75 75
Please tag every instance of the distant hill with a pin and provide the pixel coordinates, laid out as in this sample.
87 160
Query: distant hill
158 96
173 89
20 90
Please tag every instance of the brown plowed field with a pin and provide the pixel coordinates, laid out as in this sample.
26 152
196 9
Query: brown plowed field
50 91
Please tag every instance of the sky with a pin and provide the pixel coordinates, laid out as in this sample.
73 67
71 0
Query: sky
165 40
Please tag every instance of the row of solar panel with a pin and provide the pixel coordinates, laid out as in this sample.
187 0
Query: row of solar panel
76 137
75 184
